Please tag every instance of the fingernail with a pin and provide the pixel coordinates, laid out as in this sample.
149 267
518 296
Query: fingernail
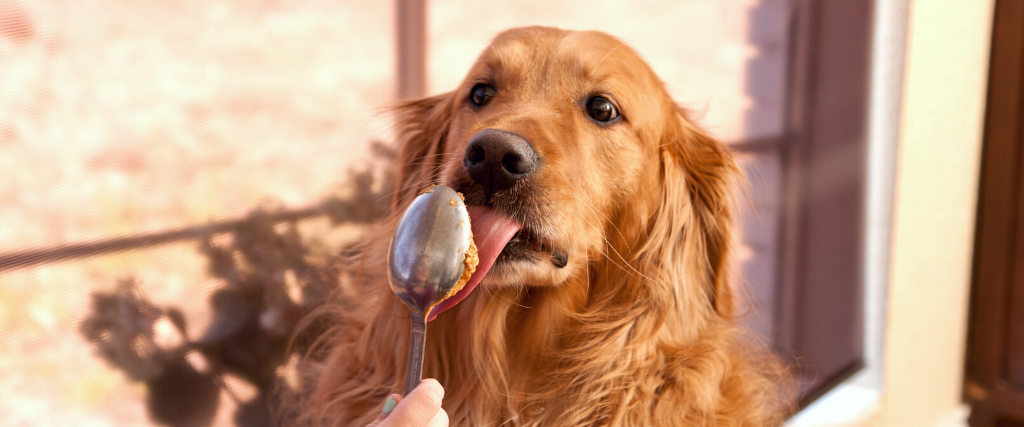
389 405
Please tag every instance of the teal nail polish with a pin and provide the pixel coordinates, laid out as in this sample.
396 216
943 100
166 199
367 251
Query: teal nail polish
390 404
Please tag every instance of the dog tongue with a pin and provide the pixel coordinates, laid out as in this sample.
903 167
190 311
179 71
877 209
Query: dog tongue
491 232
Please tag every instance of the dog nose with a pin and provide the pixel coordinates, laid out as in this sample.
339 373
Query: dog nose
498 159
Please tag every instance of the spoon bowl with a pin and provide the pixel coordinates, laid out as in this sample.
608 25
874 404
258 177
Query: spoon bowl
426 259
428 252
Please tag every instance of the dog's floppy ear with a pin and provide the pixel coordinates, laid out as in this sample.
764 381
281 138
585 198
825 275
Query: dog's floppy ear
422 127
698 174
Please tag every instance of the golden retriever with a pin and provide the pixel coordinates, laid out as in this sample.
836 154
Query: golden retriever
602 215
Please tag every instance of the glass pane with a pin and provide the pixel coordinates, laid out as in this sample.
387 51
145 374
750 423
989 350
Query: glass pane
123 118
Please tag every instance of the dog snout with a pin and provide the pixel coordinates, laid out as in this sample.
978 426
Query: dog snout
498 159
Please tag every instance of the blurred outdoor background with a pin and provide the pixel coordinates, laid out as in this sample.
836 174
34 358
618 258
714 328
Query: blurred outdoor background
152 151
126 118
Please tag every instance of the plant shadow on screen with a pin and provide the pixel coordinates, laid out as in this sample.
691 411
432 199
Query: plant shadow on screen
271 280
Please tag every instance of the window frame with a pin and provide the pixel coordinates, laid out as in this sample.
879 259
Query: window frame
821 303
859 396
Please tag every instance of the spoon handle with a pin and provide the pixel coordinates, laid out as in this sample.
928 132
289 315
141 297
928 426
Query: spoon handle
417 343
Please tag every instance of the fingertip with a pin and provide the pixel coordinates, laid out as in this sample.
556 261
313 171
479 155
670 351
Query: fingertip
430 382
432 390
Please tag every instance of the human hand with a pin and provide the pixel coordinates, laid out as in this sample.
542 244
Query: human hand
421 408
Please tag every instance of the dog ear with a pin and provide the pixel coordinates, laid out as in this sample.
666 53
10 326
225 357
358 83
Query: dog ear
699 174
422 127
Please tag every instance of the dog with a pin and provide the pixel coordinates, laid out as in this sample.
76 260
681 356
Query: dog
602 216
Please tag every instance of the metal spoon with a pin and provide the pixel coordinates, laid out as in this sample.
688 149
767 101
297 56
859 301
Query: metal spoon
427 257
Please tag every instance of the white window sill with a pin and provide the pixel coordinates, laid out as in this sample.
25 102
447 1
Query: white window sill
851 405
846 405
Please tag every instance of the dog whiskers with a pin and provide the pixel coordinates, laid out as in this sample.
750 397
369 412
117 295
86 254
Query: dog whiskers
591 207
609 245
491 294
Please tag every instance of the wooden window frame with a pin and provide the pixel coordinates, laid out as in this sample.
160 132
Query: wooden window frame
994 370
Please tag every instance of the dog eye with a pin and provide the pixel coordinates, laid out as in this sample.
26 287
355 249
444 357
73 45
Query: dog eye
601 109
481 94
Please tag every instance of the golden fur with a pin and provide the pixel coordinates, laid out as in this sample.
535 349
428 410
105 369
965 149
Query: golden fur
637 329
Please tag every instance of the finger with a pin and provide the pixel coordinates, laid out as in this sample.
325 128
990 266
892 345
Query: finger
440 419
389 405
419 407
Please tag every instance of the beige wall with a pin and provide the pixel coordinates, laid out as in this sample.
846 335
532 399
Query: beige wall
933 225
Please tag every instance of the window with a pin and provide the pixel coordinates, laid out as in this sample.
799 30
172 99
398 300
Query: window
143 126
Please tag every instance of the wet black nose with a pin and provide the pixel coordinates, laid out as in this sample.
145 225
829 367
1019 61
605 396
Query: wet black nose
498 159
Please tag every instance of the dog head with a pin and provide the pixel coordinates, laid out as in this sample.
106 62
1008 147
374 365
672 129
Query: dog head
569 150
602 218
